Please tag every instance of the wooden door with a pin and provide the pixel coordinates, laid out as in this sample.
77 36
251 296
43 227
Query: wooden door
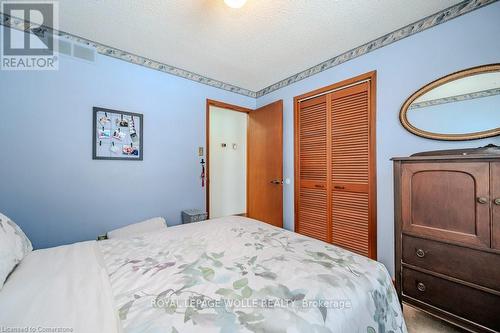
311 203
495 204
447 201
353 169
265 164
335 183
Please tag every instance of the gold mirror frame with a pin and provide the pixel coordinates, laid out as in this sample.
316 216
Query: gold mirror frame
439 82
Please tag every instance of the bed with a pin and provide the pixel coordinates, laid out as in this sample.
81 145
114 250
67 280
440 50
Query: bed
224 275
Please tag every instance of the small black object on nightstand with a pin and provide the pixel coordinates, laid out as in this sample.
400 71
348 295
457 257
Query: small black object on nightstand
193 215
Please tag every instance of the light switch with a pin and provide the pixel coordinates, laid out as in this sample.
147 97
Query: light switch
200 151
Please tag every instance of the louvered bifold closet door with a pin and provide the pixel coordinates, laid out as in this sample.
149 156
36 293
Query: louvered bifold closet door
312 206
350 168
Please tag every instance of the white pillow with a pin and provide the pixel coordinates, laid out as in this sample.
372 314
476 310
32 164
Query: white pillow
14 246
154 224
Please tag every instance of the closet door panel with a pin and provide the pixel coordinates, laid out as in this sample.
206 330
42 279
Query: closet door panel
335 185
349 216
312 215
311 208
351 168
350 139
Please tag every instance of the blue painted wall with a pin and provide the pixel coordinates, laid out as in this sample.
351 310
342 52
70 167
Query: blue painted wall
49 183
402 68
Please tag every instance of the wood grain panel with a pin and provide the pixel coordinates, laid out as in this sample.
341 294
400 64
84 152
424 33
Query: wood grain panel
351 168
350 135
311 141
312 138
467 264
428 187
349 221
461 300
335 182
265 164
313 213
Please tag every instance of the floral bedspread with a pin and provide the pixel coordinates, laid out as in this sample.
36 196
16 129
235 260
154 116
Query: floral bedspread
240 275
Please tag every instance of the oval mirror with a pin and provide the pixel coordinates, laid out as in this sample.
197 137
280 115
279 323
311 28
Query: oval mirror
460 106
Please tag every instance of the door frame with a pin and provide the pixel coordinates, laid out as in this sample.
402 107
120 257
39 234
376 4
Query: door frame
231 107
371 78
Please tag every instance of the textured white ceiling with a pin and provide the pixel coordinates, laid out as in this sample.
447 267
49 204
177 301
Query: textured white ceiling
252 47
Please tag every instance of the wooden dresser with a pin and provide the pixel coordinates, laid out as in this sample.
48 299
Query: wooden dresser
447 235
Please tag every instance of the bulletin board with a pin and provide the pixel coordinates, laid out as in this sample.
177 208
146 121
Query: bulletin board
117 135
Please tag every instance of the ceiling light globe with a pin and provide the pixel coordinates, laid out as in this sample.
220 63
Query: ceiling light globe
235 3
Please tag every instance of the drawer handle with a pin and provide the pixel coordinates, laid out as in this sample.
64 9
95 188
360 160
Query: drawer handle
337 187
497 201
420 253
482 200
421 287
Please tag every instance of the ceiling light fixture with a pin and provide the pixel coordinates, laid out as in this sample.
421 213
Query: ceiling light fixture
235 3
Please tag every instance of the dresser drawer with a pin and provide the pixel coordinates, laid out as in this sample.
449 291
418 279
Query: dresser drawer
463 301
479 267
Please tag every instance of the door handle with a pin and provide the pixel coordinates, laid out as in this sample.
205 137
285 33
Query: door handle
497 201
482 200
276 182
